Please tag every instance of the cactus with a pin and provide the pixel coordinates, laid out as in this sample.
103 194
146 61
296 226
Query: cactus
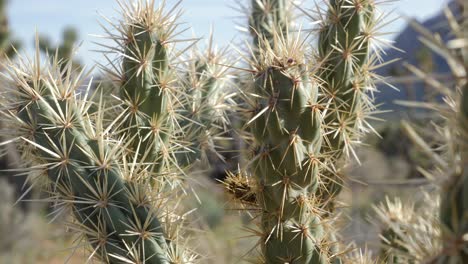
444 241
147 83
120 177
79 162
302 118
407 230
267 17
345 58
286 126
64 51
454 204
119 181
205 118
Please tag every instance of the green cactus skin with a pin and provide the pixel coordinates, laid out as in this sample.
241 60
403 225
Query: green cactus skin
286 124
81 168
65 49
454 200
344 52
267 18
205 109
148 84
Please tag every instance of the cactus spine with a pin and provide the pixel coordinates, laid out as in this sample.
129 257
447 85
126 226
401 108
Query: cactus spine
147 83
295 141
286 126
344 53
268 17
204 117
79 164
115 179
445 239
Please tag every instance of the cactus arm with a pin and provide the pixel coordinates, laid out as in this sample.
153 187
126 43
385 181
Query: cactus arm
72 160
287 134
148 84
344 53
207 104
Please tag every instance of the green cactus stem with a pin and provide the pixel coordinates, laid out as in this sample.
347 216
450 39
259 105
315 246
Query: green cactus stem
344 51
205 119
149 83
81 165
268 17
286 124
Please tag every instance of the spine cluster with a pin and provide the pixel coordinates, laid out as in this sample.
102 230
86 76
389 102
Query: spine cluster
305 109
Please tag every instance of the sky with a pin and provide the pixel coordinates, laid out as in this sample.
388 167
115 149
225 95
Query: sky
50 17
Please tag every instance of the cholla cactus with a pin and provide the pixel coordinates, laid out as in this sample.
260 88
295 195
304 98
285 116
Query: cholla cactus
209 91
346 32
408 230
268 17
446 241
148 82
118 180
286 127
302 118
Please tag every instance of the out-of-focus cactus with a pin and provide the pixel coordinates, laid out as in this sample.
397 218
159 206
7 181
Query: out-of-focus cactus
204 118
64 51
408 230
269 17
7 46
9 157
446 241
454 203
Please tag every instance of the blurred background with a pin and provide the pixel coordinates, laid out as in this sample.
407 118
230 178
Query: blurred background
389 164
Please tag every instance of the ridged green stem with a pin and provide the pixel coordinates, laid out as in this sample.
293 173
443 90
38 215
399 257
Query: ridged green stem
344 50
102 202
286 128
200 124
145 67
268 17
